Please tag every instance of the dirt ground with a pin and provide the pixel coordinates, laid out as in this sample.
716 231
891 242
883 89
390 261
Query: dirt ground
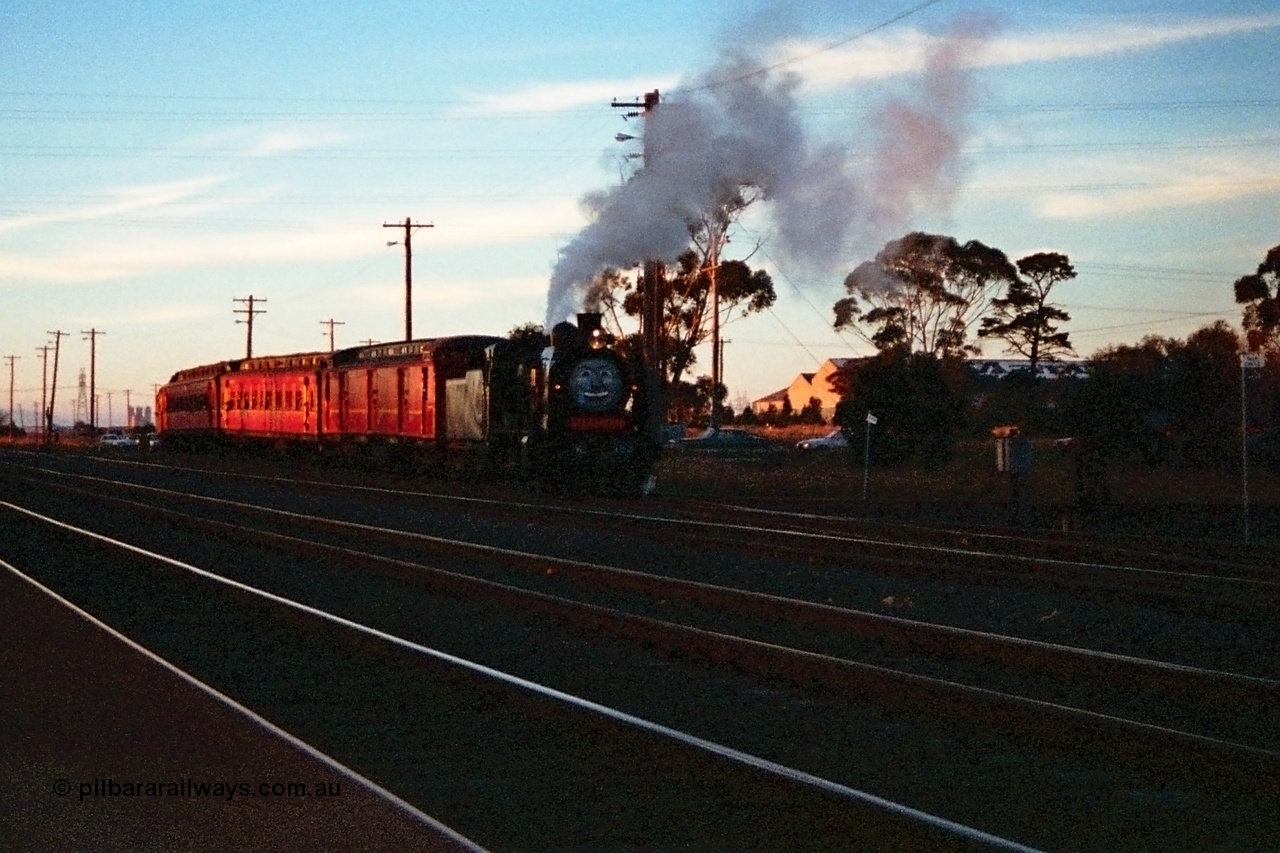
1167 501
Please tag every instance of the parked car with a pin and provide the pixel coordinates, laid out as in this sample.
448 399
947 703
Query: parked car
730 442
832 440
113 440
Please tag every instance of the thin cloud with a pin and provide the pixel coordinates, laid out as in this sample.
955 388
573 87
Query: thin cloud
903 52
159 315
105 261
1188 191
1126 187
164 250
127 200
288 142
453 292
515 221
1118 39
459 294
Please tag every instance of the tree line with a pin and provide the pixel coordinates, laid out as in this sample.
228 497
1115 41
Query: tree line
926 302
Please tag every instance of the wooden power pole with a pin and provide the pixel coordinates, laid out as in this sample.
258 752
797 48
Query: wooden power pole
408 225
53 387
93 377
250 312
653 321
44 384
331 323
11 359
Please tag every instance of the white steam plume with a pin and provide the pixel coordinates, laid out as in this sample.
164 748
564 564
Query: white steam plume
823 198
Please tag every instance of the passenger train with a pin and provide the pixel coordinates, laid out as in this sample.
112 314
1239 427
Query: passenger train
570 415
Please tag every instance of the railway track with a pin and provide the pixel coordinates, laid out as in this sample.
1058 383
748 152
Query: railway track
1088 567
551 770
738 634
1242 599
1222 707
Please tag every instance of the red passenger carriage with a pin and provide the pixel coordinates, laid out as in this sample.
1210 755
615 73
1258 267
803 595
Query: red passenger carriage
568 413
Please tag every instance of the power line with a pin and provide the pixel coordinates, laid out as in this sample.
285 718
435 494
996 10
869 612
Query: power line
765 69
42 96
1147 323
1140 271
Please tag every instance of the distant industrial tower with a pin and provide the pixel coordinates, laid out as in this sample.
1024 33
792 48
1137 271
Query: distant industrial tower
82 401
139 416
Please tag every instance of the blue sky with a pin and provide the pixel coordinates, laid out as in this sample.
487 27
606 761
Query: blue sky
159 160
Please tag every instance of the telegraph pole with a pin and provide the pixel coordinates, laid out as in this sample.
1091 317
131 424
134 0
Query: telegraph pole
331 323
11 359
93 377
249 312
717 404
652 322
717 351
1248 361
53 388
44 383
408 225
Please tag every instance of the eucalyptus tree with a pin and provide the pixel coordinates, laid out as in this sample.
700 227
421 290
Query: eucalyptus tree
924 293
1024 318
1259 293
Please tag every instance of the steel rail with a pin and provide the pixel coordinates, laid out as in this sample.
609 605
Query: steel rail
426 821
1122 579
805 669
884 807
1252 691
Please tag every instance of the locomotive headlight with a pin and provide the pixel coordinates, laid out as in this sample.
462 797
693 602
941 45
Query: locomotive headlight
595 385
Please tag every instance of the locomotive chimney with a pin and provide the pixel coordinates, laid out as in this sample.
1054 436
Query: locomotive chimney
588 322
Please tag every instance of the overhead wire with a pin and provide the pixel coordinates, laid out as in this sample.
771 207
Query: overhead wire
783 63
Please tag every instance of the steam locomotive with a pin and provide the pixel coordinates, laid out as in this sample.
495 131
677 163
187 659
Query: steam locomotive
569 415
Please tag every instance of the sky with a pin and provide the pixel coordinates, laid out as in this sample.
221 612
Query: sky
159 161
